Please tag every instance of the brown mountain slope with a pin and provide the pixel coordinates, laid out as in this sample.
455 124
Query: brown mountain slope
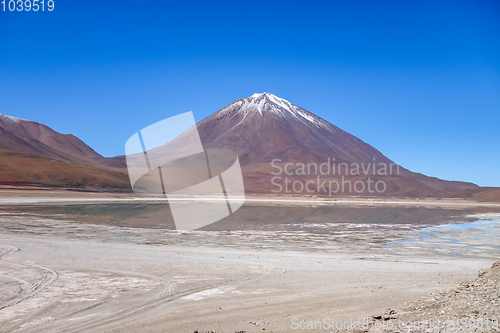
30 137
264 127
491 195
24 169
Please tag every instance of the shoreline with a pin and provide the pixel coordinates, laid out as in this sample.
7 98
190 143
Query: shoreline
28 197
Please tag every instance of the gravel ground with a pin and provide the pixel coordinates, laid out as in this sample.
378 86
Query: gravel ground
471 307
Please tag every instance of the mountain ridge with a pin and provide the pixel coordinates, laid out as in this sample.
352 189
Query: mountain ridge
34 154
31 137
267 132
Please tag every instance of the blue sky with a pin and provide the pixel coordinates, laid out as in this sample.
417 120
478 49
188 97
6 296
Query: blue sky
418 80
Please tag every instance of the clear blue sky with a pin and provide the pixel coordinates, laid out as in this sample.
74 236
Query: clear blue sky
418 80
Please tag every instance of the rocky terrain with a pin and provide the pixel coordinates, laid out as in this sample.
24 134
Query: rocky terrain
471 307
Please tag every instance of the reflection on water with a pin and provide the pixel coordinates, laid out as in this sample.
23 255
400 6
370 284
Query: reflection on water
479 239
252 217
362 230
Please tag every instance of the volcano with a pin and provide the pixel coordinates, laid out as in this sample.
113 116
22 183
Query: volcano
270 134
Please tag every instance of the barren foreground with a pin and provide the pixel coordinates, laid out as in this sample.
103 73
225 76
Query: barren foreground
113 287
60 274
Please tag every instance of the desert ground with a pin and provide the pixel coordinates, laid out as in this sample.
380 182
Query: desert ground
86 272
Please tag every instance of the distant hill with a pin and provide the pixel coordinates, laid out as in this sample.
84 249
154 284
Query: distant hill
24 169
491 195
29 137
34 154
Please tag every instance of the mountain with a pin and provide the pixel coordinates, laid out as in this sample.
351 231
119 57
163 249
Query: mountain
268 133
264 127
29 137
34 154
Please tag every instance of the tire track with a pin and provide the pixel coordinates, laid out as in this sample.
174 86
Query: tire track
31 288
163 297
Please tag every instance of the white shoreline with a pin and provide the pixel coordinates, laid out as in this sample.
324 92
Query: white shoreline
30 200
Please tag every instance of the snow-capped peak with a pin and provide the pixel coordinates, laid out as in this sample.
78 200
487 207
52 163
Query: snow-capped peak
271 97
267 102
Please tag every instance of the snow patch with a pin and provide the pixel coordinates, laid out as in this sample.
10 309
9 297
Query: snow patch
10 118
268 103
278 106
